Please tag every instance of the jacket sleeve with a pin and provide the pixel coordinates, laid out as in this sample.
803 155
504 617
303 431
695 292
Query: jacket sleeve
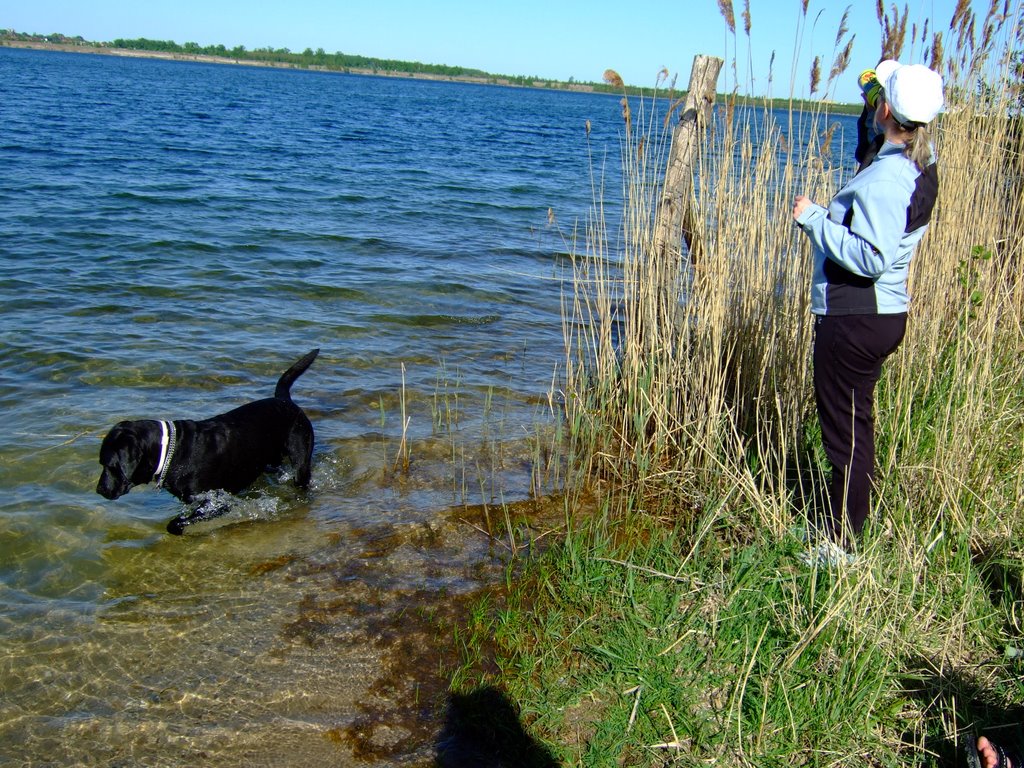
868 245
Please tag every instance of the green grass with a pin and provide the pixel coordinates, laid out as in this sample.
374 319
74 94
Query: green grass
635 643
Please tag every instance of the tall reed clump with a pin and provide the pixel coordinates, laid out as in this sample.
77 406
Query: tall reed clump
707 395
672 394
953 404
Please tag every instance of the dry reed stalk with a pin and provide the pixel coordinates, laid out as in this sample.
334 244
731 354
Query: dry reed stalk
402 457
612 78
937 54
967 313
894 30
689 390
842 60
725 8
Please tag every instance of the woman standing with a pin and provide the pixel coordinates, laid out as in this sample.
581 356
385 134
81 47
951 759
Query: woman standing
862 245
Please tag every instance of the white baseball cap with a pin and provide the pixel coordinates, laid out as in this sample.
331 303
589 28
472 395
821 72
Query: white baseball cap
912 91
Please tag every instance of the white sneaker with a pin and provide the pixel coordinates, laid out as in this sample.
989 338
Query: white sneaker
826 554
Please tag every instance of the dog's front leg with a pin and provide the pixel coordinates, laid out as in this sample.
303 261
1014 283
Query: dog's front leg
208 510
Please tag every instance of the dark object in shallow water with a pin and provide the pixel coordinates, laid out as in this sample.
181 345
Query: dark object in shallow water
226 452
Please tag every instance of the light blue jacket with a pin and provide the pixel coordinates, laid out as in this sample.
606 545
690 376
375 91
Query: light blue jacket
863 243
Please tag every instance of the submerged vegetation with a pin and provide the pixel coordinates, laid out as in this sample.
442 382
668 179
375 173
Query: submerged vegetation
678 625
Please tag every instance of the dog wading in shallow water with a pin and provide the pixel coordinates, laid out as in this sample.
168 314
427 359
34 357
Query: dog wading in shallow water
227 452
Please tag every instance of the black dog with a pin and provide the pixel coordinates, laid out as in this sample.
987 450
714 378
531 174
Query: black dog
227 452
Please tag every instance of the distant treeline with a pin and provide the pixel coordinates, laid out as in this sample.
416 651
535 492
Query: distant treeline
309 59
319 59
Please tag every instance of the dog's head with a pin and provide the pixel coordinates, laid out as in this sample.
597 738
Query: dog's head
126 457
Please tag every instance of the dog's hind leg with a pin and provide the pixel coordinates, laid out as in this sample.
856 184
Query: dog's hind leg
300 454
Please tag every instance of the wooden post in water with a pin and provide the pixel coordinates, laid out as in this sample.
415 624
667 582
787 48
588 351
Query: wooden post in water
674 218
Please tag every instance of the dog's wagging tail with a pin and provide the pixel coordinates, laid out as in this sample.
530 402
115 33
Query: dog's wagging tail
225 452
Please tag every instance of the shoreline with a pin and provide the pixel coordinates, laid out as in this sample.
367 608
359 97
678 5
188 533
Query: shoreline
498 80
551 85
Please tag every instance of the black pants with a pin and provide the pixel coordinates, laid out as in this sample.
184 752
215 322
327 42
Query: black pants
848 355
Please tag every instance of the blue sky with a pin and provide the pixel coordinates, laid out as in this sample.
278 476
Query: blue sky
558 39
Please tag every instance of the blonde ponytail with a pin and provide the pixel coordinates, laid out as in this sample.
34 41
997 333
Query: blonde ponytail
919 148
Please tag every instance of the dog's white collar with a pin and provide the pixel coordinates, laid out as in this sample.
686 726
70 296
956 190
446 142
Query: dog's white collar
167 446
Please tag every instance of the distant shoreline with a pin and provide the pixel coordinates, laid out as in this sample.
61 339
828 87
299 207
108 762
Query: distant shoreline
207 59
483 79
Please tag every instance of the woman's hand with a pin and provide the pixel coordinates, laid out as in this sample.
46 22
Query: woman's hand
800 205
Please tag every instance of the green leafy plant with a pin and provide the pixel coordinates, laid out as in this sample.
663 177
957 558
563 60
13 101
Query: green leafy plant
969 274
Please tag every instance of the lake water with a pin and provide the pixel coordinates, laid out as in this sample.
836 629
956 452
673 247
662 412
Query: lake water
172 236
